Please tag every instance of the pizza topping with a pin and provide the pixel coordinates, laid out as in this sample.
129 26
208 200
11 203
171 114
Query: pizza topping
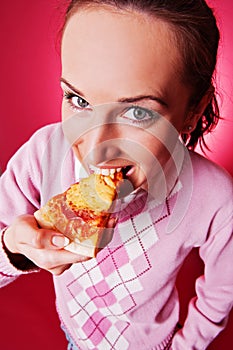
95 193
82 212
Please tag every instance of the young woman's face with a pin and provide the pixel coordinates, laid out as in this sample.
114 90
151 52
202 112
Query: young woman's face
121 83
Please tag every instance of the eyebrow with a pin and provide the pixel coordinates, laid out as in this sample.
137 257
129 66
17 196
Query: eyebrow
123 99
78 92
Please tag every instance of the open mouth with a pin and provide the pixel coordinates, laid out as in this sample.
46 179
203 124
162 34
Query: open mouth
126 170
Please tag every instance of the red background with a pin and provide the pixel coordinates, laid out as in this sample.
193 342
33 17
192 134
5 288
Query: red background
30 97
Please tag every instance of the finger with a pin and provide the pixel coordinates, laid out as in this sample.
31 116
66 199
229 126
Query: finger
31 234
53 259
49 239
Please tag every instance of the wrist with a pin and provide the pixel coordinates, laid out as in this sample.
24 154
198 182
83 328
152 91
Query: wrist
19 261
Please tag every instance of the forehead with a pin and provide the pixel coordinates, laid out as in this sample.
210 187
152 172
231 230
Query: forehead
105 48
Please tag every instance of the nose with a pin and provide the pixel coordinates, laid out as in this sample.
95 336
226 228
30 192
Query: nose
101 144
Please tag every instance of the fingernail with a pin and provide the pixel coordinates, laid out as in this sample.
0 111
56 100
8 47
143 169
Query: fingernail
60 241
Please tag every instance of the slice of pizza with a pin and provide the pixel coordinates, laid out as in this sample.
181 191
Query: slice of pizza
82 212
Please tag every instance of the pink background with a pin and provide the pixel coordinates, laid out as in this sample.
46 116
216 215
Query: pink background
30 98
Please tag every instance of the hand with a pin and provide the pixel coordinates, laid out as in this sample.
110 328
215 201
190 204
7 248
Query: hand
42 246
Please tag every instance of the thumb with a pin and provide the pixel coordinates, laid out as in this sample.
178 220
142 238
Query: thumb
60 241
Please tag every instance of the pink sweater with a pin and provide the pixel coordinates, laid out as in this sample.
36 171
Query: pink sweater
126 297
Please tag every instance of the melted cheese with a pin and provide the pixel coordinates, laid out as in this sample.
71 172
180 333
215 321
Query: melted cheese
95 193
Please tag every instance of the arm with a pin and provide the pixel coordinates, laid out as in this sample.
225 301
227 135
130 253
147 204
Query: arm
19 194
8 271
208 312
25 246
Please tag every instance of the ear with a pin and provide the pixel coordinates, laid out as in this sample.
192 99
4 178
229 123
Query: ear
196 113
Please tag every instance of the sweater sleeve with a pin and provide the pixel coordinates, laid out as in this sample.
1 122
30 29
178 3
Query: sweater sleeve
19 194
8 272
209 310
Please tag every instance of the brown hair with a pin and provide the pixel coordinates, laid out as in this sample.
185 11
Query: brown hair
197 37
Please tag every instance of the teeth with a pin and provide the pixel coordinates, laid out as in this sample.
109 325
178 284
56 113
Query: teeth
95 169
105 172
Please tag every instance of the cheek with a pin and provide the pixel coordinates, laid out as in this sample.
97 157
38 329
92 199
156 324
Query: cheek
65 110
157 152
154 145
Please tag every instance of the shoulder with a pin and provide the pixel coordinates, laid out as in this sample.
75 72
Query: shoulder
48 147
210 180
205 202
47 139
35 145
46 132
40 147
205 170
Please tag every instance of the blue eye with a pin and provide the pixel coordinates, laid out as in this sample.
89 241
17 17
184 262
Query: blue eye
75 101
139 115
